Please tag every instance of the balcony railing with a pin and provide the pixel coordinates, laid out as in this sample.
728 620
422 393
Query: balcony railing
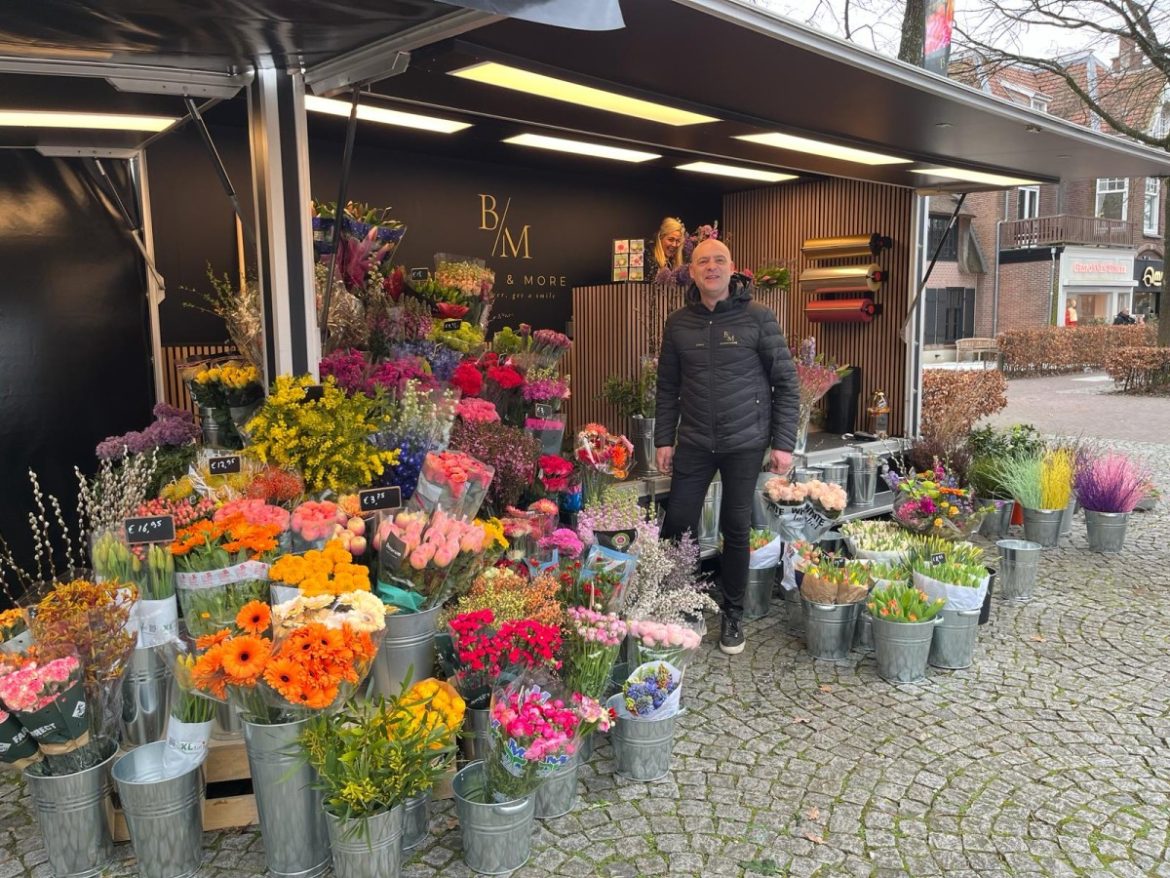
1044 231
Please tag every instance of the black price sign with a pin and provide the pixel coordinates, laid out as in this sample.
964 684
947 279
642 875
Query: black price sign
378 499
420 273
152 529
219 466
451 325
839 562
314 392
393 550
937 558
543 410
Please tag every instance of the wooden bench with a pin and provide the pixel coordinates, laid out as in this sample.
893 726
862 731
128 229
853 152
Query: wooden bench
976 349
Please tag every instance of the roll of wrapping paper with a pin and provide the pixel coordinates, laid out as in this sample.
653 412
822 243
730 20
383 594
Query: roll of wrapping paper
840 310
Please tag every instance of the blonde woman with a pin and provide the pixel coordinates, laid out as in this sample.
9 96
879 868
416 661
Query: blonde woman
667 251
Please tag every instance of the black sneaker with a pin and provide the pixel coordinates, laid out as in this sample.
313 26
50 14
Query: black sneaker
731 637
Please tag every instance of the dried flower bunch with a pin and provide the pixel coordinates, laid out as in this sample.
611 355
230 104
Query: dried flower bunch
664 586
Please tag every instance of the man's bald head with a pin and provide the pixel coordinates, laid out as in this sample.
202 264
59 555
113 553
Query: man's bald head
711 269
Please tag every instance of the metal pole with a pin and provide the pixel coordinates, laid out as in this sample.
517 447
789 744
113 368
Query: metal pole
347 156
220 170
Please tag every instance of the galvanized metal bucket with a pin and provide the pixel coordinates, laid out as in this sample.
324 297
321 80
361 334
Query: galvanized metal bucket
557 793
996 524
828 628
836 472
416 814
476 739
953 644
164 815
902 648
794 613
497 836
757 595
408 649
292 813
76 816
1018 565
146 698
803 474
585 748
643 749
863 631
1043 526
372 850
1066 519
863 471
1106 530
709 519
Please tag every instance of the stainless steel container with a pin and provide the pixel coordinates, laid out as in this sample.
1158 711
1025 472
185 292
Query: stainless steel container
953 643
497 836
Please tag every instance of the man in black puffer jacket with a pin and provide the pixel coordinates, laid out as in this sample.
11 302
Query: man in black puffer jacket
727 390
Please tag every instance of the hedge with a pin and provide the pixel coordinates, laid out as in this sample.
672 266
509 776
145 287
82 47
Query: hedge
1054 349
1140 369
952 401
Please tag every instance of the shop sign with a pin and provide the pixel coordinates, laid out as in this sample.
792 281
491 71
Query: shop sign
1148 274
1089 267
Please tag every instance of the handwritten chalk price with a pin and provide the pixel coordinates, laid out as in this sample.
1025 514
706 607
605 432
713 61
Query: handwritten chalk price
219 466
152 529
314 392
377 499
937 558
451 325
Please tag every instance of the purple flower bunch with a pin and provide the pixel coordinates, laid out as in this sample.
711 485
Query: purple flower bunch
646 695
354 374
564 541
680 276
1110 482
171 428
442 359
545 389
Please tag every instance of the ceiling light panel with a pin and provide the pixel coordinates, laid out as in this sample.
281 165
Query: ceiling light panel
738 172
92 121
580 147
384 115
822 148
974 176
539 85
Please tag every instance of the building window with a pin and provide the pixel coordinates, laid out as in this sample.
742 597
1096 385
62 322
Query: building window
950 314
950 243
1039 103
1150 206
1112 198
1028 202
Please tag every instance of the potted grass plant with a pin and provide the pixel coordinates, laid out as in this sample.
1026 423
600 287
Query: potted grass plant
1042 484
1109 487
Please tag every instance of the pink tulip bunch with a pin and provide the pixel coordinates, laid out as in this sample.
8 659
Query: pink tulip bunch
440 551
660 634
603 629
315 519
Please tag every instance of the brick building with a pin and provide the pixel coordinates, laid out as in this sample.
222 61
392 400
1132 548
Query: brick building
1017 258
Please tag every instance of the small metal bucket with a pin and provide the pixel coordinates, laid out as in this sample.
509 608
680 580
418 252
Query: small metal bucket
828 628
497 836
902 649
585 749
836 472
863 632
863 473
1018 566
370 851
292 812
557 793
996 523
953 644
709 519
163 814
76 816
475 742
146 691
804 474
1043 526
416 814
643 749
407 650
794 612
1106 530
757 595
1066 520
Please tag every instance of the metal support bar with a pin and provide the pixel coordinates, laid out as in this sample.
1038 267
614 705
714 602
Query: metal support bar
155 288
346 162
933 260
220 170
105 187
135 77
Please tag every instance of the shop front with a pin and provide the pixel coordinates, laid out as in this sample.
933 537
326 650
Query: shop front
1096 282
1147 290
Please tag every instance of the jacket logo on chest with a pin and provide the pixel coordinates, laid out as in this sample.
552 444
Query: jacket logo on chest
728 339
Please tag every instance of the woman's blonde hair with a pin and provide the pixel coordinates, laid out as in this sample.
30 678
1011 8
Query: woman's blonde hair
669 224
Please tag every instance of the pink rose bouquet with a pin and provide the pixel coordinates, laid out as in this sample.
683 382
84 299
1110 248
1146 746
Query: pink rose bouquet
313 522
49 701
454 481
477 410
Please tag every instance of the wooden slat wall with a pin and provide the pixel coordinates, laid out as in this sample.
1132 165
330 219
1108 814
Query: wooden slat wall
766 224
173 355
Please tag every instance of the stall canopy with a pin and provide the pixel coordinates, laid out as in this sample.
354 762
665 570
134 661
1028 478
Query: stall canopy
742 71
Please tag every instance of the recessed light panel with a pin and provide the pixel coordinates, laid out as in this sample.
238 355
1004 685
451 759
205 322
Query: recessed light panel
822 148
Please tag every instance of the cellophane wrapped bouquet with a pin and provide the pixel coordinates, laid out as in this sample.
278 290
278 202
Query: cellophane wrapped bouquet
426 558
604 458
933 502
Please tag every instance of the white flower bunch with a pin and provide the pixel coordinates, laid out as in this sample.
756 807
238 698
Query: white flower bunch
666 586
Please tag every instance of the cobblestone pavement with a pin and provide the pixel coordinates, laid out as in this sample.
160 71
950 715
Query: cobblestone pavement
1046 758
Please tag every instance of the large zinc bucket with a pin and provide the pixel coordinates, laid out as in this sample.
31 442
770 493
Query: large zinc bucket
557 793
863 472
836 472
709 518
416 813
497 836
642 749
645 454
902 648
370 851
863 631
475 742
228 725
793 612
163 814
1106 530
408 649
1018 565
757 595
146 690
995 523
76 816
1043 526
1066 519
292 813
953 644
828 629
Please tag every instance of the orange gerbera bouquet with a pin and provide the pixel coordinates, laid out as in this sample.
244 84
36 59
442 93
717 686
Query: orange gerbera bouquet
327 571
313 667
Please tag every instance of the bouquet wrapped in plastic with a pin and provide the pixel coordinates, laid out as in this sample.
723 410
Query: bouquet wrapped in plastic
48 700
932 502
452 481
602 581
668 642
604 457
802 511
488 651
877 540
192 712
423 559
835 581
592 642
653 691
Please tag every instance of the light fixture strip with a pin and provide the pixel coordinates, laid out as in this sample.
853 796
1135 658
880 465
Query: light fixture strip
737 172
969 176
384 115
581 147
822 148
92 121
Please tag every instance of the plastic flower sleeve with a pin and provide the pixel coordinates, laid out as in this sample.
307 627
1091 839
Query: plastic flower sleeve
192 711
18 749
603 579
48 699
672 643
452 481
652 691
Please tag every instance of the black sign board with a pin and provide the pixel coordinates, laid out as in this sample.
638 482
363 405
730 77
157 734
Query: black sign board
150 529
543 410
219 466
377 499
451 325
839 562
937 558
420 273
393 549
314 392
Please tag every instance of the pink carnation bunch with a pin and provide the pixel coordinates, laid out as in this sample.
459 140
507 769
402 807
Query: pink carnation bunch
476 411
35 687
565 542
591 626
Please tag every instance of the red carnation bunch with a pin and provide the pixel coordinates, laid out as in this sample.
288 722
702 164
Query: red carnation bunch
485 651
554 472
468 379
505 376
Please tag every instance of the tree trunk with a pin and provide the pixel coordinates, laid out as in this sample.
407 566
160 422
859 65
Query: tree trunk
913 32
1164 298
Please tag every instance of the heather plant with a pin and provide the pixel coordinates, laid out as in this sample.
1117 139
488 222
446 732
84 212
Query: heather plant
665 586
